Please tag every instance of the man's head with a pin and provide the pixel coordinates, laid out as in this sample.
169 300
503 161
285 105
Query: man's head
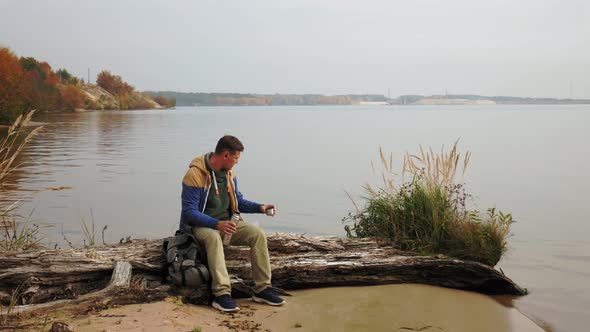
228 150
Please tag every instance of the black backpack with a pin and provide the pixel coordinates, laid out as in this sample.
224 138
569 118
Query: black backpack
186 261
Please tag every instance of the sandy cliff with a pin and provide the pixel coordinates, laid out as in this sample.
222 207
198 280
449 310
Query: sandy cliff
98 98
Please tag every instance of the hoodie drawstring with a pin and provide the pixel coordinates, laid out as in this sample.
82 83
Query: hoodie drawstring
215 182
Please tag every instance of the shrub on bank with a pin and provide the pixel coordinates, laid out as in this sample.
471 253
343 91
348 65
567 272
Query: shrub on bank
428 213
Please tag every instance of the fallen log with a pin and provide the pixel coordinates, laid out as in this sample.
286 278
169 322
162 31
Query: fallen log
297 262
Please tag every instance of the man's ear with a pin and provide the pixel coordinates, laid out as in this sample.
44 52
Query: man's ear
226 155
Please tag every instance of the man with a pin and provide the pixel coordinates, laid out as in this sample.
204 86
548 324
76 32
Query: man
210 196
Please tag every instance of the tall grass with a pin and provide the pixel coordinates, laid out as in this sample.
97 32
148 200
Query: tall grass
427 213
15 235
13 143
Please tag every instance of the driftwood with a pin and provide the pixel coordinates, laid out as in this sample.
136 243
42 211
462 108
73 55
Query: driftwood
297 262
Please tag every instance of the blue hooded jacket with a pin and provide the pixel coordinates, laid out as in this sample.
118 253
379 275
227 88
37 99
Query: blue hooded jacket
196 185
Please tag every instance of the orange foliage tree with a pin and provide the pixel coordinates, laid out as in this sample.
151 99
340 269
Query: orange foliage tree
11 86
72 97
41 91
113 83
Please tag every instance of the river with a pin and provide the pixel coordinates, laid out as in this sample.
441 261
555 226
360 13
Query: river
123 169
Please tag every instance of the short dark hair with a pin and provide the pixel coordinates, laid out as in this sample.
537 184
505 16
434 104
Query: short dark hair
229 143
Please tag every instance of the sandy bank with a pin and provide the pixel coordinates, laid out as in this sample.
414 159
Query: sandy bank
400 308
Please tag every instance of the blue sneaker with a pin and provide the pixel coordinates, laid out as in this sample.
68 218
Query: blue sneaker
225 303
268 296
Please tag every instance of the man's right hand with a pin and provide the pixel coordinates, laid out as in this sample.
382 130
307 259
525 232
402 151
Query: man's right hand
226 226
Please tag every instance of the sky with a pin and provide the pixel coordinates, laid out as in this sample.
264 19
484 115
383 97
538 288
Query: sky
527 48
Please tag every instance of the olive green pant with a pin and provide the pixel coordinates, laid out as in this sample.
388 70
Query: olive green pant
246 235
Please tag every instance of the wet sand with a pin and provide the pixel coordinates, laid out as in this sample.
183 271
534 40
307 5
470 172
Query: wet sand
400 308
397 308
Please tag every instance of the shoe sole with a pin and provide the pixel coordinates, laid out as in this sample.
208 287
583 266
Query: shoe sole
261 300
220 308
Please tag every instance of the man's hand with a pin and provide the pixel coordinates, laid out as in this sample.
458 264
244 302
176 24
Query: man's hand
265 207
226 226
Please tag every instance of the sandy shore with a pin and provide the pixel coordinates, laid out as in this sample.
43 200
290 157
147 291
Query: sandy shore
400 308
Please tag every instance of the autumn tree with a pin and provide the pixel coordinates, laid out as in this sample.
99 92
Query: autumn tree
11 86
41 92
113 84
72 97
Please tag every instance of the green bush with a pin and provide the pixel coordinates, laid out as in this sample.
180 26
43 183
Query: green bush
428 214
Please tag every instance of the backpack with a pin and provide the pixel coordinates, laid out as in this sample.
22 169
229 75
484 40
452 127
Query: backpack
186 261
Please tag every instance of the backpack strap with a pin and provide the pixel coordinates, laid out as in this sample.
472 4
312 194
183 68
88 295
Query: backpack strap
203 272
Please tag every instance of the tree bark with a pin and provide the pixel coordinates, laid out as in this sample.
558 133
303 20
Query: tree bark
297 262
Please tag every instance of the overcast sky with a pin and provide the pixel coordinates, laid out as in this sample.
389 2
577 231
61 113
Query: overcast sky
535 48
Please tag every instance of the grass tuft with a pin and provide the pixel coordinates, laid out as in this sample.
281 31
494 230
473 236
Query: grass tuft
428 213
19 236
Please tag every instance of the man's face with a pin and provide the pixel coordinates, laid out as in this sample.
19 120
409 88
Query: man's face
229 160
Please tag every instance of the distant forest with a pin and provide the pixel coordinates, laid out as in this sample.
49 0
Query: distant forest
241 99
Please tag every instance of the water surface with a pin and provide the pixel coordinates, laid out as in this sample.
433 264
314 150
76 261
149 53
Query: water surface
125 170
